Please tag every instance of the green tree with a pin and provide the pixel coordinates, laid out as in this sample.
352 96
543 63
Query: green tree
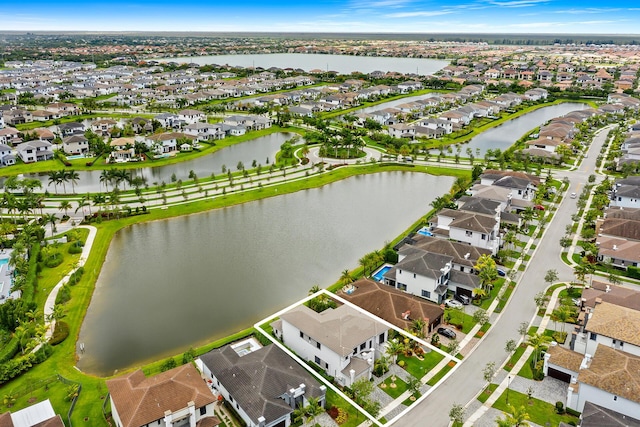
487 271
456 413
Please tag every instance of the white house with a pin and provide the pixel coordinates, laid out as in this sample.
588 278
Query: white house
163 143
75 144
626 195
264 385
421 273
192 116
402 130
34 151
175 398
7 158
40 414
205 131
342 341
476 230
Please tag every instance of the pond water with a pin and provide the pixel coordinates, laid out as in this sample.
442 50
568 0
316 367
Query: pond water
168 285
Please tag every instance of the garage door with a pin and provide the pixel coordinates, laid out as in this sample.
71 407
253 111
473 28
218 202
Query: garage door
559 375
463 291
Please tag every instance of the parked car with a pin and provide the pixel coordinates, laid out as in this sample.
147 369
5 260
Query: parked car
501 273
538 207
408 159
573 195
447 333
464 299
451 303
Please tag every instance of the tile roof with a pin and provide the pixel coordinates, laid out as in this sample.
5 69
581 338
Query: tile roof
258 379
565 358
597 416
141 400
389 303
458 251
613 371
617 322
618 295
340 329
421 262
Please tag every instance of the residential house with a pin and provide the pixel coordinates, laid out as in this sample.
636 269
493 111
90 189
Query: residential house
394 306
620 222
123 149
9 136
467 227
523 186
626 193
167 142
421 273
205 131
619 252
34 151
192 116
75 144
17 116
44 115
175 398
70 128
63 109
103 126
7 158
341 341
169 120
264 385
40 414
598 416
401 130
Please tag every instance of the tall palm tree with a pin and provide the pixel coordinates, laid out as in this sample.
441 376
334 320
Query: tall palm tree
394 348
346 277
51 219
65 205
105 178
73 177
538 342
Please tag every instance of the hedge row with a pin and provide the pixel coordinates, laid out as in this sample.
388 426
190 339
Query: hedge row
60 333
75 277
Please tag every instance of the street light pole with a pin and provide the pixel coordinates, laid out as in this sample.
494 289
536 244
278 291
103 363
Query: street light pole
508 383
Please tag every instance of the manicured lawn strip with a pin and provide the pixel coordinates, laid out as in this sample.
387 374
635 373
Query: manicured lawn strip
526 372
483 330
540 412
437 377
493 293
515 357
400 387
409 402
505 296
482 397
418 368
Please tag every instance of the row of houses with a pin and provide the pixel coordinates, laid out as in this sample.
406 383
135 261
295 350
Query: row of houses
600 365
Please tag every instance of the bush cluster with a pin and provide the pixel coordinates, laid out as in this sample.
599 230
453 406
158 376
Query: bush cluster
60 333
53 260
64 295
75 277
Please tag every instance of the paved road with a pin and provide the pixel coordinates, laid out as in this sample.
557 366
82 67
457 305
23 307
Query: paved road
462 386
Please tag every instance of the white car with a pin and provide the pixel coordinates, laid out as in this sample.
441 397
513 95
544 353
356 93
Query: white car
573 195
451 303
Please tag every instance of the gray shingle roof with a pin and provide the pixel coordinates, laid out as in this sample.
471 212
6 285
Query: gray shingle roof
258 379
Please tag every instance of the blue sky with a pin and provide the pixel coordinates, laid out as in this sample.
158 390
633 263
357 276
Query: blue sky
378 16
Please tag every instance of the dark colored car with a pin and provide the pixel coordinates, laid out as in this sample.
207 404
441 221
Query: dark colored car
447 333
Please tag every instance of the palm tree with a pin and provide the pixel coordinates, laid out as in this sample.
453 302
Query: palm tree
51 219
346 277
418 326
394 348
105 178
85 201
65 205
73 176
314 289
55 179
538 342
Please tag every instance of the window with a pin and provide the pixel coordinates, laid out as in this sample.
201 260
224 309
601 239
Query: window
301 334
469 233
426 294
318 346
402 286
414 275
362 346
615 398
317 360
381 338
484 236
593 336
203 410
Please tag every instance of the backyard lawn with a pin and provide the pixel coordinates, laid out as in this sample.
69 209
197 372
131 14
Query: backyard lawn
540 412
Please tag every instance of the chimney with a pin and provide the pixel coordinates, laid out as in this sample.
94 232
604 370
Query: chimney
608 289
599 300
615 247
352 375
467 255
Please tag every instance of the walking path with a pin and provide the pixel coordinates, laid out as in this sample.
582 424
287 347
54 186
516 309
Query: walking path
50 303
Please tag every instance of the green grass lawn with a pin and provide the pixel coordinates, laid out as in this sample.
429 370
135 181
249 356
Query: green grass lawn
488 391
437 377
354 416
419 368
540 412
457 317
515 357
50 388
394 392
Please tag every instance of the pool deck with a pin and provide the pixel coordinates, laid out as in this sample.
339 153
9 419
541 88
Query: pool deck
5 276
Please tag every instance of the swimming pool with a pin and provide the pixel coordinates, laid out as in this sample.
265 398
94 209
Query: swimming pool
378 274
76 156
425 231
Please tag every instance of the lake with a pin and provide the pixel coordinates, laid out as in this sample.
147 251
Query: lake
168 285
343 64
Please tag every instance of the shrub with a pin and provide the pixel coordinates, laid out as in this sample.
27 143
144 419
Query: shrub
633 272
64 295
9 350
53 260
401 363
559 407
333 412
75 277
42 354
75 248
60 333
168 364
572 412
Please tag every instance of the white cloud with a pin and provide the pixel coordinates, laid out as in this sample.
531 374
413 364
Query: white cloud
419 14
516 3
